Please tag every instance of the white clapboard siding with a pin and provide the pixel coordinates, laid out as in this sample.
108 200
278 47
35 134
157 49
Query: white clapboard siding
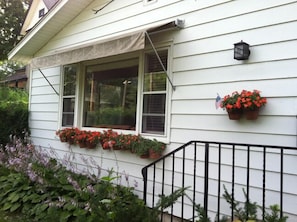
44 104
275 87
181 135
207 107
237 72
202 66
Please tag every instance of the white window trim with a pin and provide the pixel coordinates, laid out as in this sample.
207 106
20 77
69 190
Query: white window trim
82 85
164 137
76 107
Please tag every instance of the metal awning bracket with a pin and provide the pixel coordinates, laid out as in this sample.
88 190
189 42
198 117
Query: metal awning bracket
48 81
159 59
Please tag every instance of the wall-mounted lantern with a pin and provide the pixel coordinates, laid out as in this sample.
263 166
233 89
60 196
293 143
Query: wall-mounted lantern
241 50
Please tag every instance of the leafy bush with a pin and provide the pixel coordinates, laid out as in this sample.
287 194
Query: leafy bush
14 113
249 209
37 186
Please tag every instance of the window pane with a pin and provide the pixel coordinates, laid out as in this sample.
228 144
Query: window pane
68 105
154 82
68 111
68 119
69 80
153 124
154 103
153 64
110 96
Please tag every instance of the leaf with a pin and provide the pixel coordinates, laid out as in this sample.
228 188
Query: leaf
64 216
6 206
69 207
35 198
105 201
15 207
43 207
13 197
68 187
85 196
79 212
39 209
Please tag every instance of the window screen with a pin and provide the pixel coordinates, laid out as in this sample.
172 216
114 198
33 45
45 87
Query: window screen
69 95
154 94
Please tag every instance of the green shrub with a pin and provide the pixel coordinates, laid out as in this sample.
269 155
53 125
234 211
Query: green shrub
14 114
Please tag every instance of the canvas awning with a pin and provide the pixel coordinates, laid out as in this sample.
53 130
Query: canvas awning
113 46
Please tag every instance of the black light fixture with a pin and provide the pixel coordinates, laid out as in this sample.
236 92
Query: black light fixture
241 51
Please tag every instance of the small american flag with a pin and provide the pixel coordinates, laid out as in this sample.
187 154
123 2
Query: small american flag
218 101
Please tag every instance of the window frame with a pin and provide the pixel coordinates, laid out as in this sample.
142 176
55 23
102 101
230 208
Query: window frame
109 64
76 98
143 93
41 13
140 55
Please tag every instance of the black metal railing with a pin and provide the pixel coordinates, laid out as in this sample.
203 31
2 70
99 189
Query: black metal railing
208 169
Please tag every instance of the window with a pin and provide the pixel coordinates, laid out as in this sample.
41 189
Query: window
120 92
154 94
69 95
110 96
41 13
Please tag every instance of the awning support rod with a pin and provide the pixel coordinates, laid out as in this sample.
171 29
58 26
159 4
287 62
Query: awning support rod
159 59
48 81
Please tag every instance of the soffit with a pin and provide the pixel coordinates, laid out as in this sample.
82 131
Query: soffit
60 15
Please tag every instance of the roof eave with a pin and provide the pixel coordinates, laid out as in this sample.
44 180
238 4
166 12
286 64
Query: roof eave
35 39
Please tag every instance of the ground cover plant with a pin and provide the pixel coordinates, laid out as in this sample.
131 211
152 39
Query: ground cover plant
36 186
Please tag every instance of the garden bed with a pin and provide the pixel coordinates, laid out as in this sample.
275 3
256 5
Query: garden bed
37 187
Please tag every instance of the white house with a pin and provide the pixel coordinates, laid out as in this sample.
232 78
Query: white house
83 54
37 10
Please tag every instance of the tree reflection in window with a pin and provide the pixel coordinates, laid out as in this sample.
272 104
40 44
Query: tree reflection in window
110 97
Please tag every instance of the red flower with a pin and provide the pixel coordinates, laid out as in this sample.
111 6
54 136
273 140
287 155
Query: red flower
245 100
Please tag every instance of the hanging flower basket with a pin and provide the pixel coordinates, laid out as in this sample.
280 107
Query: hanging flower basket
246 102
251 114
235 114
252 102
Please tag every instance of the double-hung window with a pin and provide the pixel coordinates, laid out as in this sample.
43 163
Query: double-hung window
154 93
120 92
68 98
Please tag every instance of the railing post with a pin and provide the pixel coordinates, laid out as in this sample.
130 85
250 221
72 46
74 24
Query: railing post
144 175
206 166
281 181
